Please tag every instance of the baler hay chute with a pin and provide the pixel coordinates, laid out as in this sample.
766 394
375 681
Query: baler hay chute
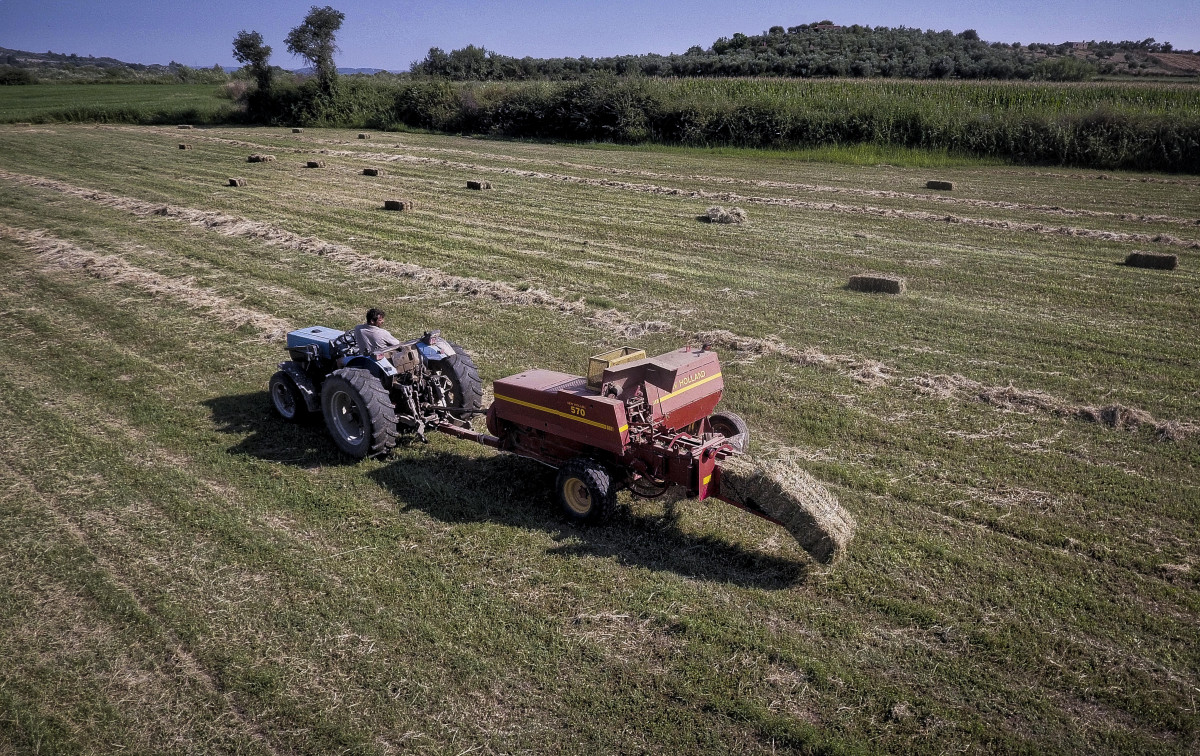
639 423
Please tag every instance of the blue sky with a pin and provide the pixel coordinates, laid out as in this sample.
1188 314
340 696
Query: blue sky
392 34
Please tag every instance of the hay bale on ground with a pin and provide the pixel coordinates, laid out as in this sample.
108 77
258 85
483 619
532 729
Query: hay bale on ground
1155 260
185 146
261 159
372 171
877 284
721 215
791 496
297 131
183 126
237 182
400 205
945 186
316 163
478 185
364 136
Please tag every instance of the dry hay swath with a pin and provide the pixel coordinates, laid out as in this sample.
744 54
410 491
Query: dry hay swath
946 186
721 215
874 283
63 254
789 495
478 185
183 146
399 205
1155 260
261 159
316 163
237 182
372 172
835 207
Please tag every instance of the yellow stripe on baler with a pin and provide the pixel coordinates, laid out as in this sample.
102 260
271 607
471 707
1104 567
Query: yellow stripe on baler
568 416
665 397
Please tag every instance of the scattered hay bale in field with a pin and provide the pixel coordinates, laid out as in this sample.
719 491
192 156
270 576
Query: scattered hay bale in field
22 123
877 284
237 182
364 136
185 146
478 185
400 205
721 215
297 131
184 126
261 159
797 500
1156 260
372 171
316 163
946 186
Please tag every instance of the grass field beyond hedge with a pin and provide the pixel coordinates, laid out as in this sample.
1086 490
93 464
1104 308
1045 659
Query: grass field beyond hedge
1018 437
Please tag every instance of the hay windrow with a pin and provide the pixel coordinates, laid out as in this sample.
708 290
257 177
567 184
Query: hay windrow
62 254
779 487
865 371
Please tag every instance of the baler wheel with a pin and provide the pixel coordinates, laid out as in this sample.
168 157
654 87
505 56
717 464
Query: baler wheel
358 413
585 491
286 398
731 426
466 388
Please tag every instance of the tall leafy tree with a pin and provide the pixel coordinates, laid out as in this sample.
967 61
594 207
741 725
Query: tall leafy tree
248 48
314 40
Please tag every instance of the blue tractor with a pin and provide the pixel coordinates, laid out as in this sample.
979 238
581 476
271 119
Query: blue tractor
369 400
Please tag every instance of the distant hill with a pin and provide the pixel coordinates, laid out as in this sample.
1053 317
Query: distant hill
825 49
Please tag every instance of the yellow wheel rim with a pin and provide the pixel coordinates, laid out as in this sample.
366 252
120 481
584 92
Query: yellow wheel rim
576 494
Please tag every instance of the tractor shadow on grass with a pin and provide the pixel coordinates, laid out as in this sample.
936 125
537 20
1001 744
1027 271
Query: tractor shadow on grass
267 436
514 491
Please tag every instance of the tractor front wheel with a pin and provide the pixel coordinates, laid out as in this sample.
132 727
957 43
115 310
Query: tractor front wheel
358 413
286 398
585 491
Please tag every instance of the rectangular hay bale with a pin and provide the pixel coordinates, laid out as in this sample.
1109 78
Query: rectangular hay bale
297 131
943 185
1155 260
478 185
184 126
185 146
237 182
877 284
364 136
372 171
400 205
316 163
261 159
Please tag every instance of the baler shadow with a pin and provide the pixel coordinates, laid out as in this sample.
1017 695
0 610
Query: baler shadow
515 491
269 437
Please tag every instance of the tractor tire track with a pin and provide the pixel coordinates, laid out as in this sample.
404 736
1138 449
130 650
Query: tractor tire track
868 372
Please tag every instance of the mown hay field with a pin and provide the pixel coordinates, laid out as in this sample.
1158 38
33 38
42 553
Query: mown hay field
1016 435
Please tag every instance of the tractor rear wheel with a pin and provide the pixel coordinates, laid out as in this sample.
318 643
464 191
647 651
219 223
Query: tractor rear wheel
286 398
358 413
585 491
731 426
466 390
